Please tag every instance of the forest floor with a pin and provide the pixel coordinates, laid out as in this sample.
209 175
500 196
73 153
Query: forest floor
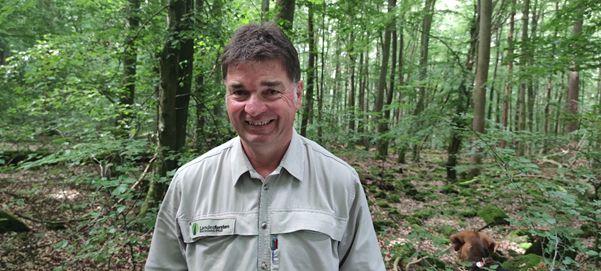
414 209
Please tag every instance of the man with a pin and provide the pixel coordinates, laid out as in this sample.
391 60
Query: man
268 199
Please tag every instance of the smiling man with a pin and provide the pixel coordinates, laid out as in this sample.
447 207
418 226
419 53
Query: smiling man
268 199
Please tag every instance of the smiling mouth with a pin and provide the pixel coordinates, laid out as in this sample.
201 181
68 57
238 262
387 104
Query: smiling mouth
258 123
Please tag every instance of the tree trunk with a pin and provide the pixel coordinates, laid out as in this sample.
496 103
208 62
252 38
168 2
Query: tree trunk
521 114
573 87
174 92
308 96
461 105
493 106
383 107
402 146
364 62
423 69
351 97
285 17
264 10
322 77
479 94
130 57
506 114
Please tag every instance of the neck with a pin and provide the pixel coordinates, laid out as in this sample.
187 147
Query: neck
265 159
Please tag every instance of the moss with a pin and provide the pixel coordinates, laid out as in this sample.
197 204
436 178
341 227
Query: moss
424 213
380 195
523 262
492 215
445 230
382 204
404 251
383 225
468 212
394 198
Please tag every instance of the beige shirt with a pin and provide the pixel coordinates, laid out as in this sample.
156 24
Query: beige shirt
310 214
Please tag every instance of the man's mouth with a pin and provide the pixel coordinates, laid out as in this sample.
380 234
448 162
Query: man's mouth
258 123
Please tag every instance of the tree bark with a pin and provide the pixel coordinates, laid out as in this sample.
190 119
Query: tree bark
384 106
174 92
573 86
493 107
506 113
130 57
423 69
461 105
521 114
308 96
479 93
320 93
264 10
352 92
285 16
402 146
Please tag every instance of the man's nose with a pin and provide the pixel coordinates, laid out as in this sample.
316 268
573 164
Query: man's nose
255 106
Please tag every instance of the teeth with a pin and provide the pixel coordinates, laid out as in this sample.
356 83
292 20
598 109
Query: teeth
258 123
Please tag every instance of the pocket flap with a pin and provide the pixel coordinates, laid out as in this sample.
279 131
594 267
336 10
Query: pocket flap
291 221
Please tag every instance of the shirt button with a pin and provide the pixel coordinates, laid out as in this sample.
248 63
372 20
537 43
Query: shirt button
265 187
263 225
263 266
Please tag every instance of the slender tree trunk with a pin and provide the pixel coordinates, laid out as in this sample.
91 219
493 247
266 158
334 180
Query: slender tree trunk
362 104
531 93
521 114
461 105
351 96
320 95
506 114
493 107
479 93
557 114
599 91
285 16
423 69
174 92
264 10
573 87
308 96
130 58
402 146
382 122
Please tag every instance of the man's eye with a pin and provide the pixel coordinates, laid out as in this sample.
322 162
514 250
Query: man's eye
239 93
273 92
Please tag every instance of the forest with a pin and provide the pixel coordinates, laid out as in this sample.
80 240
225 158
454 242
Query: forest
458 115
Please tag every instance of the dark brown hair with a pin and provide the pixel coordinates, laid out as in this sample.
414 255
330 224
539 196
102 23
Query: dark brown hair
266 41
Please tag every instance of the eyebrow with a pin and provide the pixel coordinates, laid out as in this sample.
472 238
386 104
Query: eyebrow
272 83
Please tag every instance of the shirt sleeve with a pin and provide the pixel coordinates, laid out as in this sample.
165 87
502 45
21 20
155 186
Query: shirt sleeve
167 247
359 248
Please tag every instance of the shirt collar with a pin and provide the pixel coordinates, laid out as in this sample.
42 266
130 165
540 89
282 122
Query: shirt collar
293 160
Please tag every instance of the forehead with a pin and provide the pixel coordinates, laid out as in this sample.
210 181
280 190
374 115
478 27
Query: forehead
256 72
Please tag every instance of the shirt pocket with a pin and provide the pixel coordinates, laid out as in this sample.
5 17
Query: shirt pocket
307 240
308 220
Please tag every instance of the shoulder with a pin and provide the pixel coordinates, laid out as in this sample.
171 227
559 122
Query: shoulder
208 159
328 162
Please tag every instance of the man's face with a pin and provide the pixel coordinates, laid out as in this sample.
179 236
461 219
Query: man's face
261 103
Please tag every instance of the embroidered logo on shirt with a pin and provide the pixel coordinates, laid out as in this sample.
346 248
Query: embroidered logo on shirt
212 227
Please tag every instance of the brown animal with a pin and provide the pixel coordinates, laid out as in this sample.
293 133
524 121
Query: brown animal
476 247
472 245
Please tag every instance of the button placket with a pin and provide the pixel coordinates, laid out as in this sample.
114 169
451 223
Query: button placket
264 252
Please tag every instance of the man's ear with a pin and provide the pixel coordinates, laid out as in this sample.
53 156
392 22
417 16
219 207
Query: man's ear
457 241
300 85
